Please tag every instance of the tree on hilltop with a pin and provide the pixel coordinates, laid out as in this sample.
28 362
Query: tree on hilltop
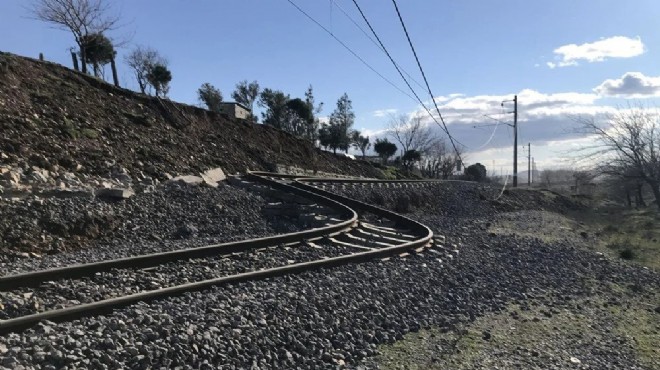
210 96
82 17
99 51
159 77
361 143
246 94
312 129
341 122
276 110
385 149
142 60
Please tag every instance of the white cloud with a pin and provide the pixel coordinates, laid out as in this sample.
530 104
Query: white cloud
598 51
373 134
630 85
384 112
532 105
544 120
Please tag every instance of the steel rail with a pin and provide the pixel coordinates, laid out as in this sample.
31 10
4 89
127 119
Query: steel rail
35 278
79 311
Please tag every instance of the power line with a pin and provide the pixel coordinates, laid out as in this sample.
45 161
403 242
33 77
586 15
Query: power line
444 125
382 46
492 135
372 39
349 49
406 81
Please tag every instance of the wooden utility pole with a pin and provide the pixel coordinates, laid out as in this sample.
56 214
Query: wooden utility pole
529 164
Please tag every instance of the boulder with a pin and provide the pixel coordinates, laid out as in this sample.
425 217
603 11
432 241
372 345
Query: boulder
12 177
189 179
115 193
214 175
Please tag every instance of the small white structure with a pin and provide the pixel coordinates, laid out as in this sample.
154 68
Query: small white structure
234 110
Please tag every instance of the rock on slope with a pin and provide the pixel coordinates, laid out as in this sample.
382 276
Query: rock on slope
54 118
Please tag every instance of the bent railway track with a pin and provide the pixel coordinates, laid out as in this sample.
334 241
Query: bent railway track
344 236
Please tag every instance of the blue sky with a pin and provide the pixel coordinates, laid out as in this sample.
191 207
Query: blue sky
485 50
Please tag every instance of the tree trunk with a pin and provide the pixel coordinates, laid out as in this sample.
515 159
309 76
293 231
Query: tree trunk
655 187
115 78
74 58
82 59
628 200
143 87
640 198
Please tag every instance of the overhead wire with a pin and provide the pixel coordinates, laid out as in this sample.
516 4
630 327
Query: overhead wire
492 135
349 49
380 46
444 125
391 59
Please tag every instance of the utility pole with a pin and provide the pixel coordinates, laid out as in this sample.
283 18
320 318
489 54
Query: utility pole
529 165
515 141
515 138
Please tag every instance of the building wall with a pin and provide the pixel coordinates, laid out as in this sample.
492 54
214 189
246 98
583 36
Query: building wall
235 111
240 112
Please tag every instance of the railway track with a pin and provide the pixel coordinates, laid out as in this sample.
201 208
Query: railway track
343 231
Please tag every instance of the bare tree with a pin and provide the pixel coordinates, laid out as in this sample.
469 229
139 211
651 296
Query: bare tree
411 133
142 60
622 189
627 144
439 161
547 177
82 17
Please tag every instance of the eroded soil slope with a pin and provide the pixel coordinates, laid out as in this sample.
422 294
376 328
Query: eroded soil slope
52 116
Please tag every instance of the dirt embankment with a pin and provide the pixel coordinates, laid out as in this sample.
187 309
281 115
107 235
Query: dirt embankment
57 119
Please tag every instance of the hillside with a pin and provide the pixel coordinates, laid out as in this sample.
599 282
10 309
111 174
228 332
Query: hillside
61 120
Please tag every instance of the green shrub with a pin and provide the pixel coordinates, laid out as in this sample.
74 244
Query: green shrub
627 254
70 130
89 133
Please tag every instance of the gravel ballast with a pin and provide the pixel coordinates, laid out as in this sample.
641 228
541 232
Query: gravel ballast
174 216
340 316
118 282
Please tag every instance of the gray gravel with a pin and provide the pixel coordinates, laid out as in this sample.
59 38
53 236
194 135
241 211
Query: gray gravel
174 217
118 282
337 317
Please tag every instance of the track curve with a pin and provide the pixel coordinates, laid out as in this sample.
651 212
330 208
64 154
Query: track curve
384 243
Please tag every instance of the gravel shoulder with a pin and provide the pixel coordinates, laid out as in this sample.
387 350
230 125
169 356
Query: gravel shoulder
607 331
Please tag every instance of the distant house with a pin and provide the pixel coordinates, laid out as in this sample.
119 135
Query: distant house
235 110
